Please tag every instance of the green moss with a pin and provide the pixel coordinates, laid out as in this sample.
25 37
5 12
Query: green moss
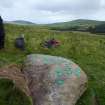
10 95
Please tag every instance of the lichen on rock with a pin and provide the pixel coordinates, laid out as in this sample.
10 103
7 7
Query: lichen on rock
54 80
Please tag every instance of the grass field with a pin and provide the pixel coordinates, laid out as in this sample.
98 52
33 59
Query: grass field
86 49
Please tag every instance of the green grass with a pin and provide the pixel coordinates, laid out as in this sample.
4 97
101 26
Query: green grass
86 49
10 95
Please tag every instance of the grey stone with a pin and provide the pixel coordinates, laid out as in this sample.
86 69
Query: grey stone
2 34
54 80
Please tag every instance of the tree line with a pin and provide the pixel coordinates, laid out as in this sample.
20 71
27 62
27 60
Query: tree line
93 29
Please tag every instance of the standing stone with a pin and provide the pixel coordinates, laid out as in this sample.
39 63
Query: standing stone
2 34
20 43
54 80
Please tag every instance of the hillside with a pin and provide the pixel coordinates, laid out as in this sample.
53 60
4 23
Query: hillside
80 24
85 49
20 22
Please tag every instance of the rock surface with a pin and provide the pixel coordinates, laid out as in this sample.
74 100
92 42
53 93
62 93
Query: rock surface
54 80
13 72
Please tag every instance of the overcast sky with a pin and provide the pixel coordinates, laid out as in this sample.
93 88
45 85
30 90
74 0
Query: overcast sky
51 11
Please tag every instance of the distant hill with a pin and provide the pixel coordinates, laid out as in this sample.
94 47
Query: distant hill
20 22
75 25
80 24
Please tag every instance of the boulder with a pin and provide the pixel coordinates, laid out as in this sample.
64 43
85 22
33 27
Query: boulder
13 73
54 80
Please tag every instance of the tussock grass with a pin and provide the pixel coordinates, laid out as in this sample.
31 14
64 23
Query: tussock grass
86 49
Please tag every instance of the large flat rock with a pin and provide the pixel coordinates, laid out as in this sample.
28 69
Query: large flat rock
54 80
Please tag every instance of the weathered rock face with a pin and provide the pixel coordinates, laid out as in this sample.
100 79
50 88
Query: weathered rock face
12 72
54 80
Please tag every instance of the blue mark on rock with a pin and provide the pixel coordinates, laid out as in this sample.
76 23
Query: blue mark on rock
68 72
59 73
59 82
77 72
62 73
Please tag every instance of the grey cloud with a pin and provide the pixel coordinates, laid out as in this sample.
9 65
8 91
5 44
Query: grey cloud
5 4
73 6
49 11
